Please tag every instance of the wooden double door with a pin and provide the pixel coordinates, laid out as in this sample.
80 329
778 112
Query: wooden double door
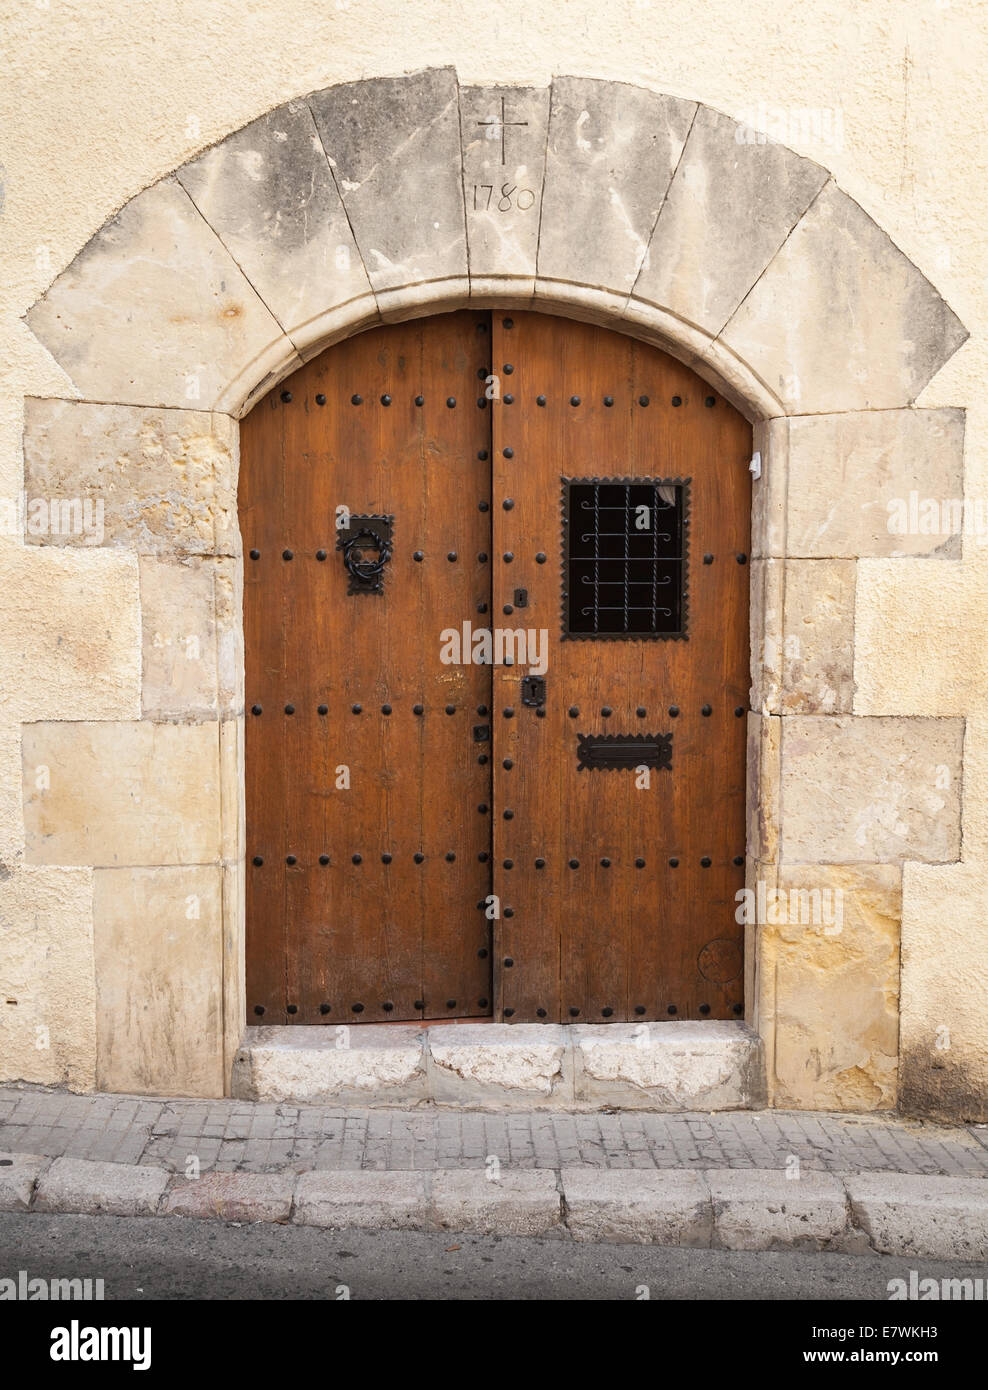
496 626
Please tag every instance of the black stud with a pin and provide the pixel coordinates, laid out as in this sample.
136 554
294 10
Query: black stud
508 400
509 912
419 1004
325 1008
356 400
606 1013
356 859
704 1008
291 1008
509 1013
483 455
508 504
481 607
741 558
574 1013
508 712
677 400
672 1009
385 709
482 1003
420 400
508 556
605 863
508 453
482 558
481 710
738 860
706 861
482 953
418 858
387 1007
709 401
540 1013
482 809
258 861
508 764
483 856
540 558
540 713
255 554
641 711
509 814
256 709
483 506
452 557
451 1003
643 400
385 400
606 712
287 554
356 709
320 554
739 711
639 863
324 859
574 863
508 368
540 863
673 711
574 400
507 323
418 709
419 556
737 1008
357 1008
385 858
573 712
286 396
450 857
507 610
320 399
451 402
706 711
289 709
608 401
450 709
708 559
674 863
540 400
482 759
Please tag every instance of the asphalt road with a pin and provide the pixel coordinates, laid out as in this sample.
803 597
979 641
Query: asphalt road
174 1258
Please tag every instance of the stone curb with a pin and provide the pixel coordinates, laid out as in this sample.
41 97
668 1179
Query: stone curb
727 1209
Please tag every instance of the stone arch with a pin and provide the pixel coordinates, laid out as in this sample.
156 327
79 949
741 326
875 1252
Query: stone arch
659 217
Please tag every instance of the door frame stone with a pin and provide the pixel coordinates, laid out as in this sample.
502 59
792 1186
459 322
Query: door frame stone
655 216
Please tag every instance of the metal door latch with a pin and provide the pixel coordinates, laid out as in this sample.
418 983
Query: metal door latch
533 691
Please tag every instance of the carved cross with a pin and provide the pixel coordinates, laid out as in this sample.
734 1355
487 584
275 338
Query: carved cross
499 125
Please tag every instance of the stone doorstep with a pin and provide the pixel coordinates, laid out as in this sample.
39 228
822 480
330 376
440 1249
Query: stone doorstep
720 1209
667 1067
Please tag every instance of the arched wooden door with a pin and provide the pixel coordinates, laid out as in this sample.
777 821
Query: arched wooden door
496 624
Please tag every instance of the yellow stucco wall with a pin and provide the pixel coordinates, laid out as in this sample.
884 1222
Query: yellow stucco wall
100 98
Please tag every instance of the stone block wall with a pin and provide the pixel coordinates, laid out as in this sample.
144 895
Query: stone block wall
121 823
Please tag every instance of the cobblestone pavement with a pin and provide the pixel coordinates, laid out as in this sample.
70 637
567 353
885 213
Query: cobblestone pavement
233 1135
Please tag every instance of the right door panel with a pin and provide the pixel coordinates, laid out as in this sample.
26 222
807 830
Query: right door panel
621 501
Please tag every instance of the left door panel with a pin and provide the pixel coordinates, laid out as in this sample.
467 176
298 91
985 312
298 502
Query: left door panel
368 773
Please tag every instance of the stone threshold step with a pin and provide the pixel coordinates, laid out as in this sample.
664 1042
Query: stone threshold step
726 1209
669 1067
